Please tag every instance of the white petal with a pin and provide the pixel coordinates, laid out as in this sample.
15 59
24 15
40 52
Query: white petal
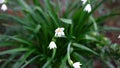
57 29
62 29
63 34
59 32
52 45
84 1
2 1
55 34
119 36
88 8
76 65
4 7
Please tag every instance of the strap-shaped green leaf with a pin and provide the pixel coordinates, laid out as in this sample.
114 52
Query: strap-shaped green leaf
13 51
21 40
29 61
84 48
67 21
22 59
14 18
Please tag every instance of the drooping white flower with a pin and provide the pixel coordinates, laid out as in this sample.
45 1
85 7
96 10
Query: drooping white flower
59 32
52 45
2 1
119 36
77 65
4 7
84 1
88 8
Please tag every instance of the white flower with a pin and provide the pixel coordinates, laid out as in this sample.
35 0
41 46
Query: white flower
119 36
59 32
84 1
2 1
88 8
4 7
52 45
77 65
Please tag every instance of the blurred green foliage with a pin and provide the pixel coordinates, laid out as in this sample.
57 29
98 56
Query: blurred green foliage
33 31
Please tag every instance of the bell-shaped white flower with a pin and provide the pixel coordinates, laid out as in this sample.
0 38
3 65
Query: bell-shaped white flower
59 32
88 8
84 1
4 7
77 65
119 36
52 45
2 1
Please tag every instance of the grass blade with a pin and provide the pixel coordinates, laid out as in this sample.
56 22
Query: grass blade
84 48
22 59
21 40
13 51
28 62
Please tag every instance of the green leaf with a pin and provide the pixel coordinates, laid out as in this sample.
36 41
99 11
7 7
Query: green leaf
21 40
28 62
22 59
9 60
103 18
37 28
88 64
63 63
108 28
79 57
30 11
36 2
88 37
15 18
44 14
97 6
29 28
52 13
94 23
67 21
47 63
13 51
84 48
24 5
3 44
109 64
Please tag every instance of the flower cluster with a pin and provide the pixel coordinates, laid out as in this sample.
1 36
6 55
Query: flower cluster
87 7
3 7
59 32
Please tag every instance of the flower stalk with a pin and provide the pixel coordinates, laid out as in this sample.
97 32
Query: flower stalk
94 23
68 54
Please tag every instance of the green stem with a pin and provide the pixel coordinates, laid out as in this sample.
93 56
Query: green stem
53 54
50 60
54 39
68 54
93 20
94 23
